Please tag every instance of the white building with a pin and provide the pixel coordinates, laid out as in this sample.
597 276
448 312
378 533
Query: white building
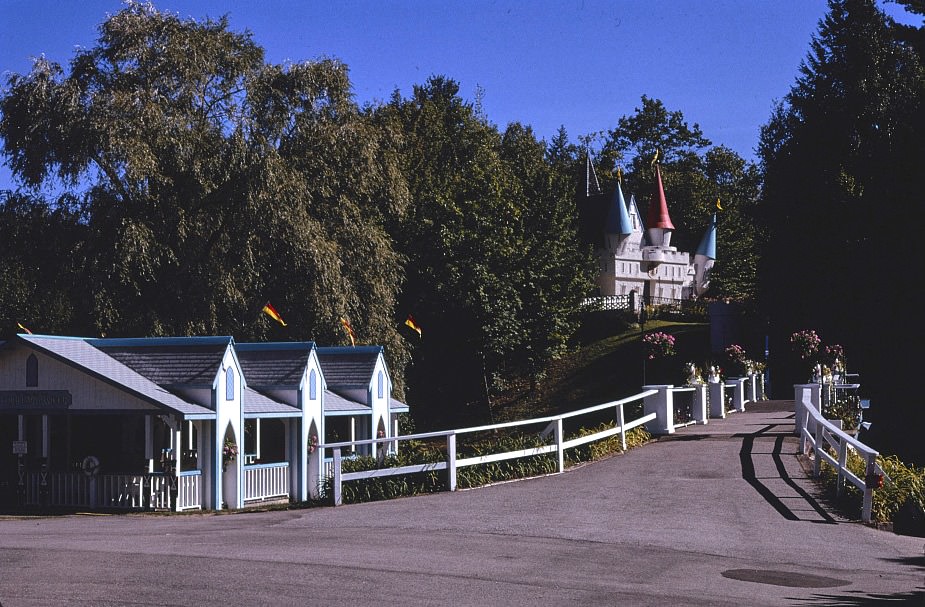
637 257
179 423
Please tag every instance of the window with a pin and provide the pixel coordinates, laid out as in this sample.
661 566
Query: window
32 371
229 384
312 385
381 385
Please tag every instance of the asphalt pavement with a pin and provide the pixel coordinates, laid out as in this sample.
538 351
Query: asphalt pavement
719 514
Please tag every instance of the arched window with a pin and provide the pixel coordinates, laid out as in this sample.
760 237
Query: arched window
381 385
32 371
312 385
229 384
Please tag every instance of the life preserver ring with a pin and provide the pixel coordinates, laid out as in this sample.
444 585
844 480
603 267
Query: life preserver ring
90 465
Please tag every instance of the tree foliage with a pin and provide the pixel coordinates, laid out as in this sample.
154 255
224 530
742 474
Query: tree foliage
842 154
197 165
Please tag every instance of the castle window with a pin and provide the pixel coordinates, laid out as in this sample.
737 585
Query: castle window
312 385
32 371
229 384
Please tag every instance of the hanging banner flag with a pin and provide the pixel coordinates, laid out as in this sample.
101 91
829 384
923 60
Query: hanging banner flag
414 326
353 337
19 324
270 311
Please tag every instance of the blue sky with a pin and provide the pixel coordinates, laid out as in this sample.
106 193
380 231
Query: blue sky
578 63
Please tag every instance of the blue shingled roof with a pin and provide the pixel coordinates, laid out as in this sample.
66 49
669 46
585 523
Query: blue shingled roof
348 367
278 365
169 361
256 404
338 405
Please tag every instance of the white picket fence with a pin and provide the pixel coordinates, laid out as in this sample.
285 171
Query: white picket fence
266 481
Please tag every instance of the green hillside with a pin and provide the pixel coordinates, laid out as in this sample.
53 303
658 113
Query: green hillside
606 363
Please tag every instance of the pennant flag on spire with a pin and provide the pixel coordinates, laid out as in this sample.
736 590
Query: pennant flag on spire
655 158
270 311
718 205
19 324
414 326
353 337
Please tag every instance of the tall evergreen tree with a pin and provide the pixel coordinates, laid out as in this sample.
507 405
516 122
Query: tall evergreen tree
841 156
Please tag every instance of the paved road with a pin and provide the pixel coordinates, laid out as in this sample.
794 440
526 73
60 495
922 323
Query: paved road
717 515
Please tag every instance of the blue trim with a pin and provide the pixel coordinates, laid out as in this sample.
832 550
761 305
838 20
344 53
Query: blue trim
275 345
313 385
275 414
229 383
351 350
354 412
190 473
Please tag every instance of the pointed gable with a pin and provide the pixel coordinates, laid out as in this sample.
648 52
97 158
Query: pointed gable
658 207
274 365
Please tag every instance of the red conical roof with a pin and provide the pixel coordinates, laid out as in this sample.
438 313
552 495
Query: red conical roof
658 208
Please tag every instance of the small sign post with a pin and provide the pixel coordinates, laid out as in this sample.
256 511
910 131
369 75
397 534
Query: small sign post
20 447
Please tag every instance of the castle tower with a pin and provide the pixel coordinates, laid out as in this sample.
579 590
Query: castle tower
704 258
659 223
618 224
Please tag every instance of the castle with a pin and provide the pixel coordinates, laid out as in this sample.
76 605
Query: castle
637 257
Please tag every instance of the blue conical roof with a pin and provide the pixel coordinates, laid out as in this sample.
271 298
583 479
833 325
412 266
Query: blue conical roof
707 246
618 219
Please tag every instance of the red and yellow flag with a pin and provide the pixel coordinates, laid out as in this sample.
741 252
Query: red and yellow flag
270 311
19 324
353 337
414 326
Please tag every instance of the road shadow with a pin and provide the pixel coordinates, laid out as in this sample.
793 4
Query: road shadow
749 476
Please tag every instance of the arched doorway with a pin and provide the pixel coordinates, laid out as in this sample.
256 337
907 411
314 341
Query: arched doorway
231 459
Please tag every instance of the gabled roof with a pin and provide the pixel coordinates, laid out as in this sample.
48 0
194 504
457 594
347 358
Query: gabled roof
169 361
274 365
348 367
256 404
337 404
707 246
618 219
657 216
80 354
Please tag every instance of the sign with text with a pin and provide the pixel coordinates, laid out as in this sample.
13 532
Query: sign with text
20 447
34 400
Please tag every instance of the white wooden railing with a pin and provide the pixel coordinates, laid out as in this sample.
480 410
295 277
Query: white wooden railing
189 490
820 434
266 481
553 428
118 491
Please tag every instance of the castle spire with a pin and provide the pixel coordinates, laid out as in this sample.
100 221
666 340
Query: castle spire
707 246
657 216
618 218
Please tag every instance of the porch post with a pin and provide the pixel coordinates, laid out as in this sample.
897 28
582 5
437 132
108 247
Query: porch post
45 437
353 432
149 443
257 449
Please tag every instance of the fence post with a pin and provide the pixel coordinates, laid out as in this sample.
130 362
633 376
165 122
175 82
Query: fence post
817 450
338 498
560 452
699 407
842 462
717 400
451 461
738 394
869 469
620 422
662 405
